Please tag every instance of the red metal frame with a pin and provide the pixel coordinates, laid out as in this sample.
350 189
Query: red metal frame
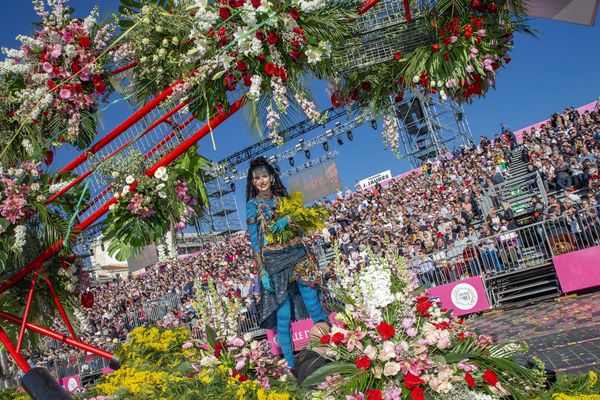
86 223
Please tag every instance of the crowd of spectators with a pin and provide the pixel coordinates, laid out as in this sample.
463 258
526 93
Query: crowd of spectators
428 216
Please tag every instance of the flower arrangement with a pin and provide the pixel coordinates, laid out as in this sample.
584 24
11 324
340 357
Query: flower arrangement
393 342
577 387
54 79
169 364
303 219
264 46
148 208
470 41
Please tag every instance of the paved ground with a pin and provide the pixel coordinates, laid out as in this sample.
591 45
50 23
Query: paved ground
565 335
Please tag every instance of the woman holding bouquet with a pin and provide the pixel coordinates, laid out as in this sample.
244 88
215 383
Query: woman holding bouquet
287 271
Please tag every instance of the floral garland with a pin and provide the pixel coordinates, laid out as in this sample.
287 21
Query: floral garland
471 40
265 46
54 79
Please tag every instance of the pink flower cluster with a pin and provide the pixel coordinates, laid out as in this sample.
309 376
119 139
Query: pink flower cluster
139 205
17 187
181 190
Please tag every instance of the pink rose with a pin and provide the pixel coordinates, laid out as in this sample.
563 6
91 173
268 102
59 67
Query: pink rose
65 94
47 67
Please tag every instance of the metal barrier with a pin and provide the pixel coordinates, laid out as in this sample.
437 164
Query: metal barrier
516 191
530 246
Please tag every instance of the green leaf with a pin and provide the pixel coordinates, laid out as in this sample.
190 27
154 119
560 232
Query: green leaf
338 367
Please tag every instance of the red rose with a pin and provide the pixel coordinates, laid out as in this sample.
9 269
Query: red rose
224 13
446 56
492 8
295 43
334 100
87 299
435 47
48 161
85 42
55 69
260 35
363 363
270 68
495 65
397 56
51 84
43 57
412 381
374 394
78 88
417 394
325 339
100 88
424 306
247 79
507 59
293 13
241 66
476 5
295 54
337 338
470 380
218 347
234 4
446 41
366 85
279 72
461 336
490 377
255 3
75 67
299 31
272 39
399 97
262 57
355 93
386 330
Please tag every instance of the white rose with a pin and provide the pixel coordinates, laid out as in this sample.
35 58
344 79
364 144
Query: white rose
371 352
160 186
112 207
117 195
130 179
162 195
160 172
391 368
125 190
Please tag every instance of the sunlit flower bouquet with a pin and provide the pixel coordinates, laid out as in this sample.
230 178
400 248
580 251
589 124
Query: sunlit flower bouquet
394 342
302 219
56 76
147 207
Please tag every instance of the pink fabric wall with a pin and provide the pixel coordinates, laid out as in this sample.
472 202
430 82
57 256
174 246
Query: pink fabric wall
578 270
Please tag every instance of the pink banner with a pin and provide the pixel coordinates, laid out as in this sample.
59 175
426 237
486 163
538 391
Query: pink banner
578 270
463 297
70 383
300 334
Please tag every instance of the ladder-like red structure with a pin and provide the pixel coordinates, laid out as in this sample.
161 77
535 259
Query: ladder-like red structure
102 199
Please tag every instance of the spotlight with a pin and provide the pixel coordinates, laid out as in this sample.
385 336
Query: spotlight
291 161
329 133
350 135
374 124
340 141
307 154
325 146
459 116
306 165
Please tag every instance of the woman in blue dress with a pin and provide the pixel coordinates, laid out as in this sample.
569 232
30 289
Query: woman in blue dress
287 275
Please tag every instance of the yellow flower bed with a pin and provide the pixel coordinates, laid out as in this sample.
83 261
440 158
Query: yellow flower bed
562 396
138 383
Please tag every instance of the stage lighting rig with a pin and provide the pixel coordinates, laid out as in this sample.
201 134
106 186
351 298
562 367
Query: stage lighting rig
374 124
291 161
307 154
350 135
339 140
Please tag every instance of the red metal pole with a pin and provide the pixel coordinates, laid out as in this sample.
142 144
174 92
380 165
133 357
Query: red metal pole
27 308
169 136
61 310
173 155
56 335
367 5
10 347
189 142
91 170
123 68
135 117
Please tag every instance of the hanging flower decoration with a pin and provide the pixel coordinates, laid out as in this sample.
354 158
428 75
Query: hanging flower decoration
148 208
54 79
262 47
465 43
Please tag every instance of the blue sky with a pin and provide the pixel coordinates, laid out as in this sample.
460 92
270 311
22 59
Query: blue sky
556 70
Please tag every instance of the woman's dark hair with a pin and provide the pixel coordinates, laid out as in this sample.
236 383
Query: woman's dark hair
276 185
